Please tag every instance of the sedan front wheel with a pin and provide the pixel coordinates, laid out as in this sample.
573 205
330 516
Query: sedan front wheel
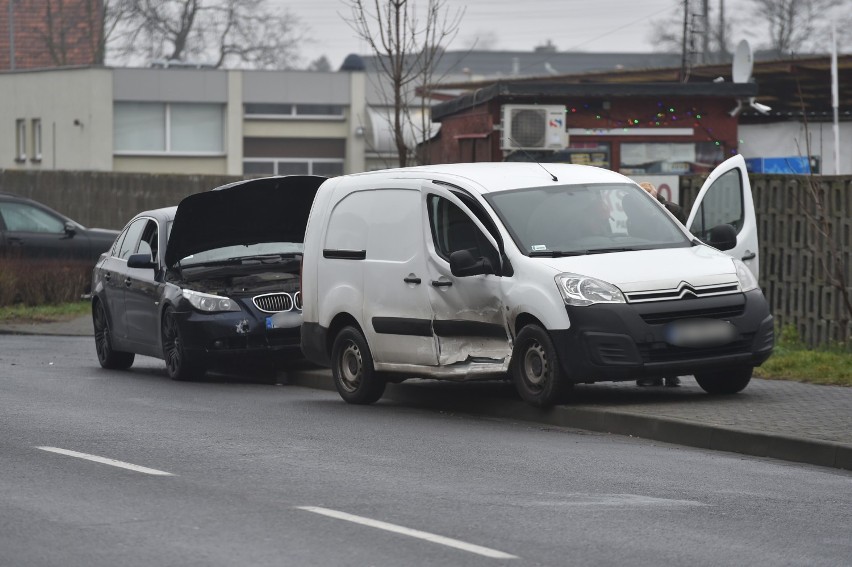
174 351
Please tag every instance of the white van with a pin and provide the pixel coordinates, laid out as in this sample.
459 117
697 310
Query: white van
555 274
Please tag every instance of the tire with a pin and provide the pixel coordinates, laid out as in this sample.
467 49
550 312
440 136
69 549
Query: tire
722 382
535 369
356 380
108 357
178 366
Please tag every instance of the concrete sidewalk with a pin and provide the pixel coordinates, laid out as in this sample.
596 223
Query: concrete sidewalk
771 418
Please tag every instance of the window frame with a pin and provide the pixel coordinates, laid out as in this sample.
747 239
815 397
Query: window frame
20 140
37 140
168 152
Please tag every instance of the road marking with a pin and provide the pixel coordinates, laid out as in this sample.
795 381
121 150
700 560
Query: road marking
105 461
449 542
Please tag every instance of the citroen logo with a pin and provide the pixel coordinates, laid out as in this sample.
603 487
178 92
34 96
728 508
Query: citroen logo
685 290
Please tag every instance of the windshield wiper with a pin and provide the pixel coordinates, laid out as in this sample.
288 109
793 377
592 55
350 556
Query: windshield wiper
562 253
607 250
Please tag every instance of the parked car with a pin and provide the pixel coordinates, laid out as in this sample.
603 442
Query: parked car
31 230
214 279
557 274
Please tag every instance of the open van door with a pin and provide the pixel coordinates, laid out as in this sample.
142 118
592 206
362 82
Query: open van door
725 198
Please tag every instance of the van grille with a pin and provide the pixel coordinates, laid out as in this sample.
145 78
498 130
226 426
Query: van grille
273 302
723 312
683 291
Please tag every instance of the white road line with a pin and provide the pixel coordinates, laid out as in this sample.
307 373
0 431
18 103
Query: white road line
449 542
105 461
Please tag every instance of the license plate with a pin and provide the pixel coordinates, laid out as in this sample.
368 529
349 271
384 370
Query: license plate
700 333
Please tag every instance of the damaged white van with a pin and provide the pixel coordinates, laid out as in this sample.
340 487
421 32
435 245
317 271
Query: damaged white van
553 274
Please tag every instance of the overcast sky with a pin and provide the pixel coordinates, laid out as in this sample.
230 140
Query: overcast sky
602 25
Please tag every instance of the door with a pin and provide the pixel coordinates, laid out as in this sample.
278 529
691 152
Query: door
375 240
141 292
116 277
725 198
469 314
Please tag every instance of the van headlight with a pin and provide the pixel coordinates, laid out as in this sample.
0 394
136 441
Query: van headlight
582 290
747 280
209 303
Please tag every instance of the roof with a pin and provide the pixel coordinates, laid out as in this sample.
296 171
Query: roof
540 91
489 177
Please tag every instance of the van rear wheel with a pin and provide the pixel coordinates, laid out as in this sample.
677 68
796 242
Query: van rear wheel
356 380
724 382
535 369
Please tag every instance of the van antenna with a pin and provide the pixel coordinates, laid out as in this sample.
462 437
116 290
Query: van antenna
526 153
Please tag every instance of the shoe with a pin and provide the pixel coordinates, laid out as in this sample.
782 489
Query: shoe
672 381
644 382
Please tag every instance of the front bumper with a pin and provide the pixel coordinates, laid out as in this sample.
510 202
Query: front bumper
235 334
626 342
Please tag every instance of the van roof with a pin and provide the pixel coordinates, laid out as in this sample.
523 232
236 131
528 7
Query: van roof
489 177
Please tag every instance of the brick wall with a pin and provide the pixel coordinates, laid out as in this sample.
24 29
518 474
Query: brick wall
51 33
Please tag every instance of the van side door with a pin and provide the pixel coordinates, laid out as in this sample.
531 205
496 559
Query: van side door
469 314
726 198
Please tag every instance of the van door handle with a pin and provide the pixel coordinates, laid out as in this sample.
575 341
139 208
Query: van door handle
411 280
749 255
436 283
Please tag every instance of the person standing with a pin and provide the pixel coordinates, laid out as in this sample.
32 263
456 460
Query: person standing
677 211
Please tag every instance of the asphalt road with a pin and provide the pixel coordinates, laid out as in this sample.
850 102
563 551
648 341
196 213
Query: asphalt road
236 470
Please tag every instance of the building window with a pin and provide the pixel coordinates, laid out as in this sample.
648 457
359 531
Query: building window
36 140
669 157
309 111
168 128
20 140
293 166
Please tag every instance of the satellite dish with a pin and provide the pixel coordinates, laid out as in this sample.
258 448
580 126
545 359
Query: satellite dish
743 63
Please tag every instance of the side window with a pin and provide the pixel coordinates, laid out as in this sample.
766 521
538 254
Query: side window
21 217
722 204
131 239
149 243
453 230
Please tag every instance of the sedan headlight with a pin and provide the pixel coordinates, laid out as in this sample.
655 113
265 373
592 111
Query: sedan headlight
583 290
747 280
209 303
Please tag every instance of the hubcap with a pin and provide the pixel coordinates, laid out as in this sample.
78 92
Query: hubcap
350 367
171 344
535 365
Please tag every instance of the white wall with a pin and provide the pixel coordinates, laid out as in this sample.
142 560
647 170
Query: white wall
59 98
787 139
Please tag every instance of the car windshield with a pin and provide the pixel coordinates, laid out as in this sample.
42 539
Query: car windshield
264 251
568 220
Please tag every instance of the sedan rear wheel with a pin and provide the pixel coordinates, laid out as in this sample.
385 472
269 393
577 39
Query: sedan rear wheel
107 356
174 352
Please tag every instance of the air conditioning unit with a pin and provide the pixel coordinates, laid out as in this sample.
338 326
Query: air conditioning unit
533 127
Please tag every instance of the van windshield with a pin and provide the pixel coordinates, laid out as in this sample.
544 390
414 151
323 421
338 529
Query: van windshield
566 220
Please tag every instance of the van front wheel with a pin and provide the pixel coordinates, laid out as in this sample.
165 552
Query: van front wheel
535 369
723 382
356 380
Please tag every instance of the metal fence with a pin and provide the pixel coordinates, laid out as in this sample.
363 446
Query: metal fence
792 252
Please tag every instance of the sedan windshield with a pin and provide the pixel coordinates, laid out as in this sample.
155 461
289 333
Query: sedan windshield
264 251
569 220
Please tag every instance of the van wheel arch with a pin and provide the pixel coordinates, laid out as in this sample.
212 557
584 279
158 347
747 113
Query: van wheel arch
524 319
340 321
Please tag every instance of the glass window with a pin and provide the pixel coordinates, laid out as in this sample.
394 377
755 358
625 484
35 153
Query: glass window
149 243
259 167
196 127
131 240
20 139
269 109
328 168
293 168
139 126
21 217
722 204
319 110
36 139
453 230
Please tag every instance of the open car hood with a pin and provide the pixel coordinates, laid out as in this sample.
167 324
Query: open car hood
270 209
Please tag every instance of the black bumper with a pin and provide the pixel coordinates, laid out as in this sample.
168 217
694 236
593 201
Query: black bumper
626 342
232 335
315 343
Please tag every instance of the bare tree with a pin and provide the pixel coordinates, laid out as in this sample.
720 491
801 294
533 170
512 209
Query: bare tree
68 28
706 34
238 33
406 50
795 25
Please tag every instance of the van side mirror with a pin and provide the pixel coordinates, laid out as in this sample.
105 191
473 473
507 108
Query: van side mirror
463 263
722 237
143 261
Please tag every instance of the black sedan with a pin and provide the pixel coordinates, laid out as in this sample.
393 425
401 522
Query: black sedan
214 279
31 230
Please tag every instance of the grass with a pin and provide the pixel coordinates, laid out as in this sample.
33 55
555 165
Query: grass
792 360
20 313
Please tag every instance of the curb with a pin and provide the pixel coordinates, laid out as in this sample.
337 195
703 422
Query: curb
668 430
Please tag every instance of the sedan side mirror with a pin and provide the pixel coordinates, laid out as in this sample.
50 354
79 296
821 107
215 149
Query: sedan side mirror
722 237
463 263
70 230
141 261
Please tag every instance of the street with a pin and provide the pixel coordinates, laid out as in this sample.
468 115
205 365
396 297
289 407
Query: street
131 468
